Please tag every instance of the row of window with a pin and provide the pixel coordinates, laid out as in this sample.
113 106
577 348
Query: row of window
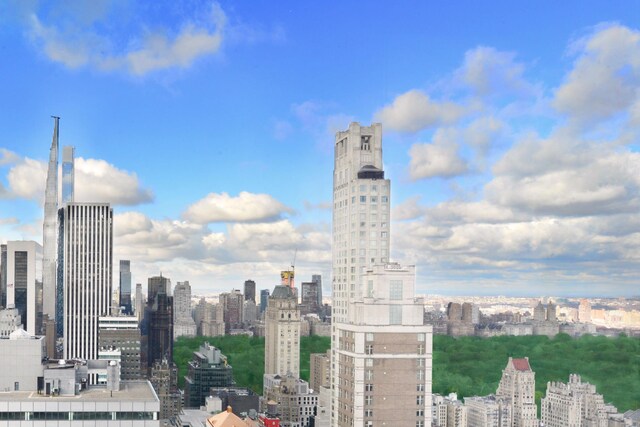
28 416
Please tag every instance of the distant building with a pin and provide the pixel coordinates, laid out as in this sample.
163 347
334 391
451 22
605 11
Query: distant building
125 286
282 333
320 370
250 290
157 325
448 411
488 411
207 369
122 334
296 403
232 308
164 378
24 283
250 312
140 302
518 385
545 321
309 299
584 311
85 264
183 323
209 319
575 404
240 399
264 298
3 276
317 278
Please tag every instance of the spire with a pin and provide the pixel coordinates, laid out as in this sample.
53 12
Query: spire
50 226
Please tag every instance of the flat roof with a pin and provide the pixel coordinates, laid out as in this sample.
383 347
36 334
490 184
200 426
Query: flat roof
129 391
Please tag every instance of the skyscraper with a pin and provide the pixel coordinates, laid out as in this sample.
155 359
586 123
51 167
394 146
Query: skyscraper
87 258
140 302
264 299
125 286
317 278
379 345
282 333
518 384
309 297
250 290
233 309
157 325
3 276
50 228
24 282
183 323
68 174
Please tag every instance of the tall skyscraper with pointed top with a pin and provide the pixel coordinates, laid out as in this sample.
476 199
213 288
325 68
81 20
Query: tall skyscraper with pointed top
50 227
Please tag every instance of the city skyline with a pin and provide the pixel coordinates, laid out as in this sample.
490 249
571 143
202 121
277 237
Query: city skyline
512 144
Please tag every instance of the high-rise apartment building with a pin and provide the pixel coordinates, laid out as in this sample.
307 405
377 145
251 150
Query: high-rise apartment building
183 323
140 302
518 384
49 231
233 309
282 333
24 282
86 264
575 404
125 286
250 290
379 345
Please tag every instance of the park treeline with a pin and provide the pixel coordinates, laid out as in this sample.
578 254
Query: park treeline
469 366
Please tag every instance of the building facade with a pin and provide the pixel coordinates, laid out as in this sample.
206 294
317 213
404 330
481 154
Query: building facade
122 334
233 309
50 229
488 411
24 283
282 333
377 323
207 369
87 253
518 384
157 325
125 287
183 323
250 290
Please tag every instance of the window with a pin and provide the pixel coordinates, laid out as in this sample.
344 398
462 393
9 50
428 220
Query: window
395 314
395 289
363 199
419 423
420 387
368 387
363 188
368 413
420 400
368 375
370 288
16 386
420 375
368 400
421 337
420 413
374 199
374 188
383 234
420 348
383 225
384 199
369 336
368 362
368 349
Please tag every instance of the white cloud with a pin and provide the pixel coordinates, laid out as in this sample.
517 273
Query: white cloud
438 158
489 71
605 77
409 209
414 110
81 43
245 207
95 181
8 157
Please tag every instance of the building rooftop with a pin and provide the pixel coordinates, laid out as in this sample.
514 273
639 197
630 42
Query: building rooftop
282 292
521 364
129 391
229 419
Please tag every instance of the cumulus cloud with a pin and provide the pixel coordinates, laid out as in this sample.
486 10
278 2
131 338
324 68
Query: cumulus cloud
440 158
221 207
605 76
409 209
414 110
81 42
95 181
489 71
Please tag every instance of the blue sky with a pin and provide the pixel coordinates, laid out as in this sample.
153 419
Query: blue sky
511 134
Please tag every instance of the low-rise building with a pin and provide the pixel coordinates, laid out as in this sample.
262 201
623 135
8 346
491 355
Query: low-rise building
296 403
207 369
